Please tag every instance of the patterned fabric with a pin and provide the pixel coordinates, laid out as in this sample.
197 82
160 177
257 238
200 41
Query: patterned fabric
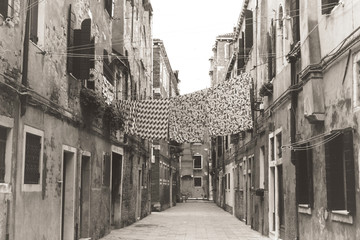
128 107
187 120
222 110
152 117
228 107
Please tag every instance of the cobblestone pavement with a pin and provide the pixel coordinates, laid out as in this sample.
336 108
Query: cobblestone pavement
185 221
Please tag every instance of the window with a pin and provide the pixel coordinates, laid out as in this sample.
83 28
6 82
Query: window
328 5
340 175
219 146
279 145
262 168
197 181
109 6
304 176
226 142
33 155
271 38
33 18
4 8
197 162
3 139
295 16
225 181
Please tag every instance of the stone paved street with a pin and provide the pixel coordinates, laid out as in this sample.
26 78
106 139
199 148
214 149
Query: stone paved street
185 221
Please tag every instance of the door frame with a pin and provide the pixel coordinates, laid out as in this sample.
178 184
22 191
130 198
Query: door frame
119 151
86 154
66 148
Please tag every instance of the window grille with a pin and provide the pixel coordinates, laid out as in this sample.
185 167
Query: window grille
3 137
32 159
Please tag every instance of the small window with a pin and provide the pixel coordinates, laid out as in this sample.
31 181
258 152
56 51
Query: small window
328 5
4 8
33 151
340 173
197 182
197 162
229 181
3 139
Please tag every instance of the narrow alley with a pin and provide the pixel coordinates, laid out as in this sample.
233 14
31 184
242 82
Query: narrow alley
185 221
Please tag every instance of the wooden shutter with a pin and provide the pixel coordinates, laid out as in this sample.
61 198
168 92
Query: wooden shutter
70 39
334 173
3 138
85 42
310 187
295 15
109 6
77 60
4 8
248 31
269 60
32 159
33 20
241 56
349 170
273 49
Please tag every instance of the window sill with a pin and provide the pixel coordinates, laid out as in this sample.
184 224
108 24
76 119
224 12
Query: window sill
304 209
342 216
5 188
31 188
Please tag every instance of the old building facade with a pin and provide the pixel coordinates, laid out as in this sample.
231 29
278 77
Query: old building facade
296 173
165 161
64 160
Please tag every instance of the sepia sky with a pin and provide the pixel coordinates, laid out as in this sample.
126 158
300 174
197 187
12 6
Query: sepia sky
188 29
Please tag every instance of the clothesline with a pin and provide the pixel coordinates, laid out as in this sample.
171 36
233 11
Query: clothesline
221 110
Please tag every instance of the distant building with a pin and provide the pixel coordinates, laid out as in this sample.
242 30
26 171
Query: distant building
165 160
194 171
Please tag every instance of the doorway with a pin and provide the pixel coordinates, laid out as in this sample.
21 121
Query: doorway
116 177
85 197
68 194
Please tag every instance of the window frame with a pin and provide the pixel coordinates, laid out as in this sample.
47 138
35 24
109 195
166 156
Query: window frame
39 133
201 183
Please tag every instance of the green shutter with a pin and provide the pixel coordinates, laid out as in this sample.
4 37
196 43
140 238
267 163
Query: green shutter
85 41
33 20
329 175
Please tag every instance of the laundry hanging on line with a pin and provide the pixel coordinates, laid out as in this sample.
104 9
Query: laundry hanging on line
222 110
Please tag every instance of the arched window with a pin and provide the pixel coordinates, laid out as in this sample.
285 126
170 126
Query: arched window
281 16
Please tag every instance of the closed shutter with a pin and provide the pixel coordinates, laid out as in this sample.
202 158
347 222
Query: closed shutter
248 31
85 41
334 173
70 43
77 60
241 56
3 138
310 188
298 177
33 20
349 170
269 60
273 49
295 15
4 8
